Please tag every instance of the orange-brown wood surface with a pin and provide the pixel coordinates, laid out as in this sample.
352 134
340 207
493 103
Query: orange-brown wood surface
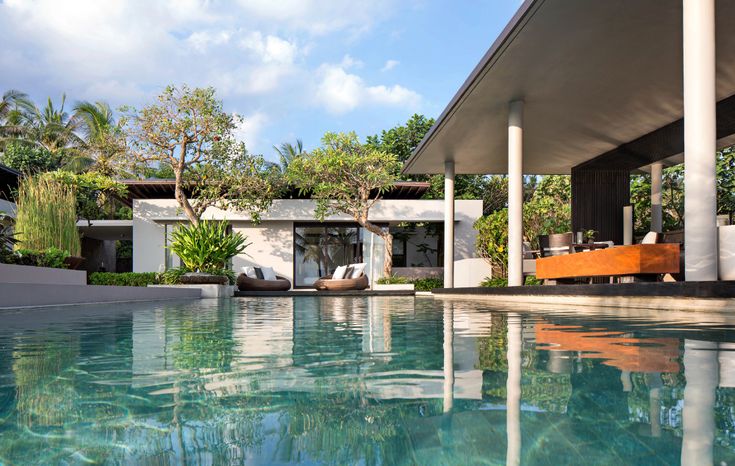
637 259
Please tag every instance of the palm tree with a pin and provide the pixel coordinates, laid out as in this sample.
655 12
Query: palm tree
104 141
14 105
287 152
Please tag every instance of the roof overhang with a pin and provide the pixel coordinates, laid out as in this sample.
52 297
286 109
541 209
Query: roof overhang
594 75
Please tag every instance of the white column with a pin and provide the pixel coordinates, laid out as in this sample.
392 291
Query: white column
656 208
515 194
701 371
448 356
513 390
700 201
448 224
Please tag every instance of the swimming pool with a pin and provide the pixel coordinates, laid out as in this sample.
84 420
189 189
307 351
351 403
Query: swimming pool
364 381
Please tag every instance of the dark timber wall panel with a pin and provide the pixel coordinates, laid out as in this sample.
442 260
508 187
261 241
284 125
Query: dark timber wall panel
598 198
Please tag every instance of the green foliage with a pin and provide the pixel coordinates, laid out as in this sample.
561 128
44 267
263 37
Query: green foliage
51 257
419 284
29 159
344 176
123 279
206 246
96 194
495 282
492 240
46 215
189 131
427 284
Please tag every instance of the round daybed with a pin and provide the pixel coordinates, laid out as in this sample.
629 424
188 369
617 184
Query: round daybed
346 284
245 283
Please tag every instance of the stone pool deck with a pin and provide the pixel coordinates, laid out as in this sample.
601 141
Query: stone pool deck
719 295
291 293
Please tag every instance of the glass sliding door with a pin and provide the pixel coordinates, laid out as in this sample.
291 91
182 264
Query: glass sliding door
320 248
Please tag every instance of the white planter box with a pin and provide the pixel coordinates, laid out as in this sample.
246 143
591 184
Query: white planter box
11 273
395 287
727 252
208 291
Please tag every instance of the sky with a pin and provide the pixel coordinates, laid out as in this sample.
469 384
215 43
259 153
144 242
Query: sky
291 68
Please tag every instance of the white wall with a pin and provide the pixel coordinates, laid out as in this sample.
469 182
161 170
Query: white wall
273 238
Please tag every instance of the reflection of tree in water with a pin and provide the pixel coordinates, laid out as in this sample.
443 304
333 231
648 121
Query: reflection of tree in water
341 424
45 392
332 247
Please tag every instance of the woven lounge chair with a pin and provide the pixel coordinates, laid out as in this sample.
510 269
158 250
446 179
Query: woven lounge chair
346 284
245 283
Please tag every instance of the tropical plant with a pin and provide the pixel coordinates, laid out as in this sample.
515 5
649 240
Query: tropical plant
287 152
7 237
46 215
207 246
345 176
188 130
13 106
105 149
492 241
97 195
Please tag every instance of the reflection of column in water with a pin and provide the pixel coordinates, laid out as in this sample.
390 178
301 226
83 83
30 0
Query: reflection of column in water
513 389
653 380
448 356
376 335
701 372
625 380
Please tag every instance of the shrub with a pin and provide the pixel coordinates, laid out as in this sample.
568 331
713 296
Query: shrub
207 245
51 257
46 216
419 284
428 284
124 279
492 240
499 282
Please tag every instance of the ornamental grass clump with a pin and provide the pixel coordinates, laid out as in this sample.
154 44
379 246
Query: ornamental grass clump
46 216
207 246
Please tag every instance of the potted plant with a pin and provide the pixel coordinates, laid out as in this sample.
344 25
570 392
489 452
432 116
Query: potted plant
589 236
205 250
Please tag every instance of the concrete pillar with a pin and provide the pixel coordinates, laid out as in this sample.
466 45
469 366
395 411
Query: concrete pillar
513 390
700 197
448 356
515 194
448 224
657 222
701 370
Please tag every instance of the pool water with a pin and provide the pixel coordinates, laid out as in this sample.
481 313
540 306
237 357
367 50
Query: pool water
364 381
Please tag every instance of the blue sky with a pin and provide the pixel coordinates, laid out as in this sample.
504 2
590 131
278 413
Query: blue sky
291 68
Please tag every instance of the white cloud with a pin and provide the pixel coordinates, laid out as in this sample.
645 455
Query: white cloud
202 40
389 65
270 48
340 91
250 130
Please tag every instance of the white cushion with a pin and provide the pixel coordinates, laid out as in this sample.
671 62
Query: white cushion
268 273
249 271
357 270
650 238
339 272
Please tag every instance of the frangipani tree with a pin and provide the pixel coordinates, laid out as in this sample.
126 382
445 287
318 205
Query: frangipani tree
347 177
188 130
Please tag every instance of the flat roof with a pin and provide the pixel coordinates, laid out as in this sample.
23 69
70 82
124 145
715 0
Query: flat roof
594 76
164 189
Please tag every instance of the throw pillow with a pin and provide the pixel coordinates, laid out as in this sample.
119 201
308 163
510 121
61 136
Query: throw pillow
269 273
339 272
357 270
249 271
259 273
348 272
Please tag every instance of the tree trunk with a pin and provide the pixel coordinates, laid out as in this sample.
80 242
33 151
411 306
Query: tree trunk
183 201
387 239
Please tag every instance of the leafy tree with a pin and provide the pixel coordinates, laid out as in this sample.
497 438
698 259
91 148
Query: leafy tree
188 130
402 140
345 176
97 195
28 158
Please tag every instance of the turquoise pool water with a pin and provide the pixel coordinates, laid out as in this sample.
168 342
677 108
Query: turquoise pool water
364 381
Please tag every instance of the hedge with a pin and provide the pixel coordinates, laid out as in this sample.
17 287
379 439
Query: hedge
124 279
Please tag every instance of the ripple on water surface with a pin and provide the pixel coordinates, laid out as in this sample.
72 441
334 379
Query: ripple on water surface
376 380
